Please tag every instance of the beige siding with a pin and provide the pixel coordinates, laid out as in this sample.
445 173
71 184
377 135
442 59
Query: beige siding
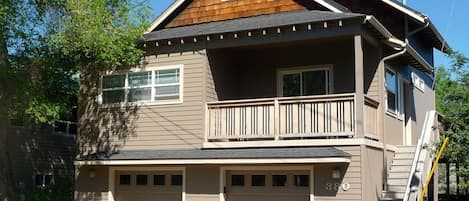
393 130
323 172
372 77
374 173
38 151
255 69
87 189
422 103
172 126
202 183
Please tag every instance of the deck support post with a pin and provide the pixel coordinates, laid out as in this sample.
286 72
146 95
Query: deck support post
359 87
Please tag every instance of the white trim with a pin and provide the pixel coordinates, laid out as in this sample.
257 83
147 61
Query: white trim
328 6
398 113
112 175
215 161
223 170
405 10
329 68
153 85
165 14
299 143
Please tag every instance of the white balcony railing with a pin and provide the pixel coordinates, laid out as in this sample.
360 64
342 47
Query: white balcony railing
282 118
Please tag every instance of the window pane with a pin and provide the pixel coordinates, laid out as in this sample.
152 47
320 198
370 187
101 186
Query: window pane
158 180
167 76
258 180
237 180
392 101
114 96
142 179
314 83
291 85
391 81
176 180
124 179
167 92
47 180
301 180
113 81
139 79
279 180
139 94
39 180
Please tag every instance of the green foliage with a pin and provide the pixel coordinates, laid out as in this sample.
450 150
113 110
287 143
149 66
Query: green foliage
452 96
62 191
103 31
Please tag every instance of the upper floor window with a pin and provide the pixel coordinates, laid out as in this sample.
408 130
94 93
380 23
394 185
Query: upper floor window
304 82
156 85
393 92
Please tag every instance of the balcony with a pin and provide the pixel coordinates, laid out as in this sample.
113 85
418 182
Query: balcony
304 117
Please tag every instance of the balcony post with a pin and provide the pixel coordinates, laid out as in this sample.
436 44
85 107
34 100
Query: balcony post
359 87
276 119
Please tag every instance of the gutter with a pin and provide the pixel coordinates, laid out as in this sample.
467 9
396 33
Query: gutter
383 31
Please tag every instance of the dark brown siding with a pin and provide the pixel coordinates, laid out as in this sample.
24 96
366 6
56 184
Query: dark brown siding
201 11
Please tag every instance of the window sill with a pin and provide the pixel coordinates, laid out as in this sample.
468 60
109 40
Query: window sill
394 115
140 104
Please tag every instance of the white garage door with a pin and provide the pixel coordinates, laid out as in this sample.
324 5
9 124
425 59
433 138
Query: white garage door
267 185
148 186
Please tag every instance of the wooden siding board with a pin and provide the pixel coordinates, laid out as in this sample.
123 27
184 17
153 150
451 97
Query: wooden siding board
201 11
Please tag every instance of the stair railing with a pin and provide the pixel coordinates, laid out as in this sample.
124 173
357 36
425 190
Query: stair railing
420 168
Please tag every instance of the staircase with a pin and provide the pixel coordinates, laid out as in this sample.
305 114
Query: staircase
399 173
411 164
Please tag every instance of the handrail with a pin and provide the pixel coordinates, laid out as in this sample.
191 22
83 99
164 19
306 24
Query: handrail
258 100
424 139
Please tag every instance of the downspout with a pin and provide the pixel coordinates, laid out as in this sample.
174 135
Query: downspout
385 149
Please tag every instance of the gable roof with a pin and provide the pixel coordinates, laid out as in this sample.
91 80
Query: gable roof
249 23
329 4
432 31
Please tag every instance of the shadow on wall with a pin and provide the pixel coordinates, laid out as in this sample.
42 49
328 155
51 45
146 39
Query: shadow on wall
102 130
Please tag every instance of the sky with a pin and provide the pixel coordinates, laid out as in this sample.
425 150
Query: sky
451 17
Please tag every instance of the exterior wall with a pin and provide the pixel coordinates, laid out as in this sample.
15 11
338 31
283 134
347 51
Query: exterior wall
155 126
372 77
173 126
91 189
351 174
38 151
374 169
393 130
201 11
202 183
257 68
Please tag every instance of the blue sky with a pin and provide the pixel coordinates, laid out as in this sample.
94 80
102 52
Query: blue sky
451 17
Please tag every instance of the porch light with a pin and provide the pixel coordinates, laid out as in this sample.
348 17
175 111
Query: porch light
92 173
336 174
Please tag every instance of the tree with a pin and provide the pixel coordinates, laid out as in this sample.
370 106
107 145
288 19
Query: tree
452 95
102 36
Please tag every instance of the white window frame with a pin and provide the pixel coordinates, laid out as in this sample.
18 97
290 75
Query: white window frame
294 70
399 112
153 85
43 182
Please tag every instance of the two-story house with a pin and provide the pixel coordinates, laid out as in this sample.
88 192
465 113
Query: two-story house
267 100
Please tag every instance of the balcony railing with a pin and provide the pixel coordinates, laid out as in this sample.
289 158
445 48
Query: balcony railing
283 118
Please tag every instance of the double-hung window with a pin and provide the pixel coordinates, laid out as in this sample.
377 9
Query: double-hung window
393 92
304 82
158 85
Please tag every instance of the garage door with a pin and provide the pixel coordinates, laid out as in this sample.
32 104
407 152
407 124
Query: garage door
148 186
267 185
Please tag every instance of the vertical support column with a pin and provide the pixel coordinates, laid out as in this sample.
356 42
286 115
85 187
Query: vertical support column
359 87
111 180
311 184
222 183
276 120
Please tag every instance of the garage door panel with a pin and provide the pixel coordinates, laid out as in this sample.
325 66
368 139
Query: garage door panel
240 188
155 186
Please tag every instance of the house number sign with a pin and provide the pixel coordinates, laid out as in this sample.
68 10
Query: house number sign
336 186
